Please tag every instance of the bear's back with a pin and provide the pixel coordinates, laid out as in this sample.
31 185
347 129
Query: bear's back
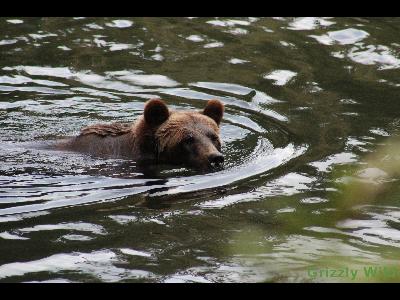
103 140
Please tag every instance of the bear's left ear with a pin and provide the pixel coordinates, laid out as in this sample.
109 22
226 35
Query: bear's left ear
155 112
215 110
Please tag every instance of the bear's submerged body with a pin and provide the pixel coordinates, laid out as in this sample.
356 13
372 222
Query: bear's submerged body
106 140
177 137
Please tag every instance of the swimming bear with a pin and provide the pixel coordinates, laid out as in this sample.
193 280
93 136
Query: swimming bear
163 135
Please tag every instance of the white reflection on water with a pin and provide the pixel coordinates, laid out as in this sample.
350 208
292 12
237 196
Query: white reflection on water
79 226
135 252
326 164
8 42
76 237
137 77
380 55
62 72
9 236
287 185
375 230
18 79
280 77
66 197
120 23
236 61
97 263
228 23
309 23
15 21
343 37
263 159
94 26
57 280
186 279
195 38
213 45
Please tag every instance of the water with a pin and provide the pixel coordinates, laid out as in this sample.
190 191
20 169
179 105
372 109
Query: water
307 99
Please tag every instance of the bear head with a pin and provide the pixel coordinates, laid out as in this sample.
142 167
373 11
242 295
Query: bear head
186 137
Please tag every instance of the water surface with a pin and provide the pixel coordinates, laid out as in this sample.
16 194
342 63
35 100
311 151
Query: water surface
307 99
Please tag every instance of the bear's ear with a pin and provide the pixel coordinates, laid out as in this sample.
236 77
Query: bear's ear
215 110
155 112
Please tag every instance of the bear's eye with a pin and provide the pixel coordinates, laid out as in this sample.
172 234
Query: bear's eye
189 139
213 137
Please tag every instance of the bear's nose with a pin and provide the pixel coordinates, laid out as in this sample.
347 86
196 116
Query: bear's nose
216 158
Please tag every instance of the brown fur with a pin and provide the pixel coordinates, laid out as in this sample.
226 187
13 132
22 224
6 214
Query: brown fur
167 136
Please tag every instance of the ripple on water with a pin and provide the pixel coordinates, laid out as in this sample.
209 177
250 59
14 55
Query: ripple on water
376 229
79 226
380 55
87 189
99 264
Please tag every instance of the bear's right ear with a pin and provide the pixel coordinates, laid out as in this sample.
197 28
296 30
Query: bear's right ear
215 110
155 112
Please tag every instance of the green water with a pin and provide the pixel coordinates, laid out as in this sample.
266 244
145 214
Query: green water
311 105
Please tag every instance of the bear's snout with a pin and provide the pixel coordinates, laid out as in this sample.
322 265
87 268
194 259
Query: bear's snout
216 158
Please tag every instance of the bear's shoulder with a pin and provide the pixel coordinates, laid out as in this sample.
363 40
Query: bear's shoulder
113 129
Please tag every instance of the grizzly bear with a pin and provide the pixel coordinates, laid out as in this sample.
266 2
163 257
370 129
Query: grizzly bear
160 134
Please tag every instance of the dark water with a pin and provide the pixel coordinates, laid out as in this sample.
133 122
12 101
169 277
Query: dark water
307 99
